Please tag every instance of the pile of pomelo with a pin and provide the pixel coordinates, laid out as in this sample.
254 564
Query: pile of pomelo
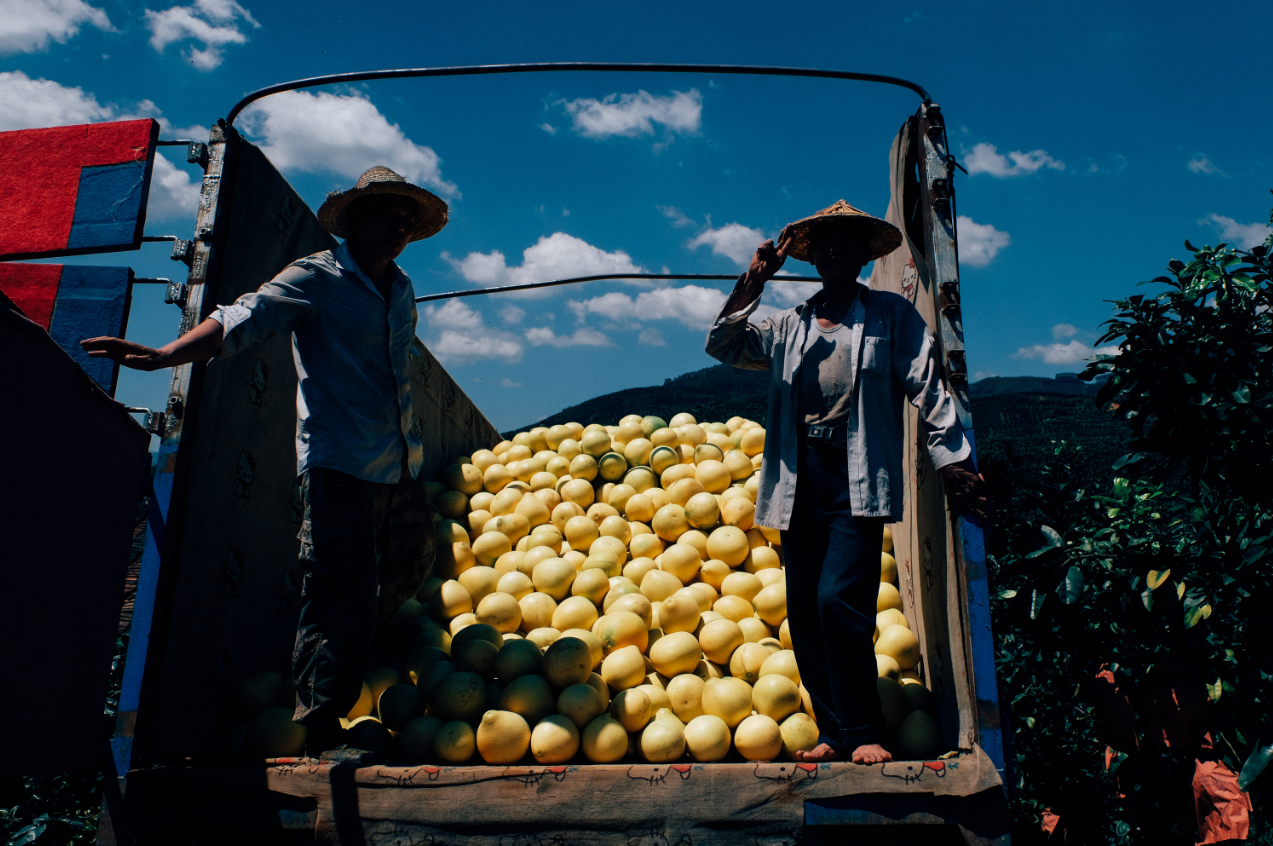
603 594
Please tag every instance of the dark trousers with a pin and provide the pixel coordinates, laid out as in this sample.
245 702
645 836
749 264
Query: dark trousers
366 548
833 583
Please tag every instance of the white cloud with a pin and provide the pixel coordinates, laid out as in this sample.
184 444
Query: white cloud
1245 235
461 336
27 103
984 158
979 243
29 25
1075 352
675 215
630 115
790 294
1061 331
512 314
509 383
692 305
651 337
173 194
582 337
556 256
1202 164
549 128
340 133
733 240
215 23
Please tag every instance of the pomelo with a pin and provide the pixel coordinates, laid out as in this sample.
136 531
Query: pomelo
728 544
753 441
580 703
714 571
635 602
746 585
739 512
888 568
892 701
675 653
490 545
399 705
578 491
900 644
781 663
529 695
465 478
496 478
891 617
501 611
918 737
555 740
886 667
888 539
568 661
888 598
746 662
755 631
450 601
775 696
719 639
771 604
368 733
455 742
537 611
799 734
272 734
712 474
707 738
621 629
682 561
920 698
663 738
479 581
696 539
415 741
574 612
632 708
518 658
669 522
363 706
758 738
733 608
623 668
762 558
679 613
604 740
460 696
594 644
727 698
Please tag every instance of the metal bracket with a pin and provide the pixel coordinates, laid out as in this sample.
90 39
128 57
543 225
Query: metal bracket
957 367
949 299
154 421
942 191
175 407
197 153
183 251
176 294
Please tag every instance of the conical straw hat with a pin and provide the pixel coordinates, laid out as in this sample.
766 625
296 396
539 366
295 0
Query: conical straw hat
333 213
879 236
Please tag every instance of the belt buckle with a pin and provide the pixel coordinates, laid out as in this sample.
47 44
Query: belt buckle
823 433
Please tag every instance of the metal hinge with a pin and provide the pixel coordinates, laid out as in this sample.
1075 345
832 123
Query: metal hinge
950 299
154 421
197 153
957 367
941 193
176 294
175 407
183 251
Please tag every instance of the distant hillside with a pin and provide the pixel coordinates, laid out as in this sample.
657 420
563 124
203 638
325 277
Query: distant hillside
998 385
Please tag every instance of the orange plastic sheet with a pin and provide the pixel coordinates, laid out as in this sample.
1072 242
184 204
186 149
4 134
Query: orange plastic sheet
1224 812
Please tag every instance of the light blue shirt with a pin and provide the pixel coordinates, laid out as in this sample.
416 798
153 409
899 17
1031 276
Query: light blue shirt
352 351
891 355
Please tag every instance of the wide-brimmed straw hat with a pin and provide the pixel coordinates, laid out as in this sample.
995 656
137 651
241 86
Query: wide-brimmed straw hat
333 213
879 236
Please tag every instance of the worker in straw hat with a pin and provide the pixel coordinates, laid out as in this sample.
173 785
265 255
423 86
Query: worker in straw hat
352 317
840 364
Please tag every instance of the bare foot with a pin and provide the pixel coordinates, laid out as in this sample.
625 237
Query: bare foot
871 753
817 755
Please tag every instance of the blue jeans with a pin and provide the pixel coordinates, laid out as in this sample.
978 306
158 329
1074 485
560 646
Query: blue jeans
833 582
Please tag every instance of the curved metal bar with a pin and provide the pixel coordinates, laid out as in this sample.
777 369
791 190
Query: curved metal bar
476 70
529 285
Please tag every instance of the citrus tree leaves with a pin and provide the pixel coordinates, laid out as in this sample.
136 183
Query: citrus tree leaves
1254 765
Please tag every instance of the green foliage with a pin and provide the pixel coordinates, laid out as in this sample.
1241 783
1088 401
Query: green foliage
1161 578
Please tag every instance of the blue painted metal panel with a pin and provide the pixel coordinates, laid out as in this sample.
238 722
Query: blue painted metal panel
91 301
108 207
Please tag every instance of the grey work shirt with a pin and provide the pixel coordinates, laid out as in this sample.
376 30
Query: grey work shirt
352 350
892 354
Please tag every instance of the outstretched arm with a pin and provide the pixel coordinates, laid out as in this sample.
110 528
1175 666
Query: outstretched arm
767 261
199 344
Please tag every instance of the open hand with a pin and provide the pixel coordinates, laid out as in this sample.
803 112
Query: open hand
769 258
127 353
966 489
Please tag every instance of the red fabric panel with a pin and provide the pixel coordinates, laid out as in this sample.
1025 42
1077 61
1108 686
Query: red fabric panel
1224 812
41 175
33 288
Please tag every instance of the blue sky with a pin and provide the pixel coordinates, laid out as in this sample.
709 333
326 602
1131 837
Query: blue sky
1098 137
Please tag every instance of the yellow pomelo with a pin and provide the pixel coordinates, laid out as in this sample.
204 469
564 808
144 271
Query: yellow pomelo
714 571
737 491
713 475
621 587
689 434
489 546
533 510
775 696
739 512
637 451
595 443
609 548
888 539
784 635
462 621
555 740
496 478
502 447
476 657
537 611
368 733
696 539
460 696
733 608
479 581
738 463
755 630
676 473
888 568
642 480
363 706
569 448
599 685
581 531
415 741
512 561
659 497
920 698
685 692
682 561
452 504
575 612
543 638
464 478
604 740
657 585
623 668
891 617
728 544
663 457
745 585
568 661
501 611
886 667
707 738
636 602
664 436
529 695
578 491
419 661
892 701
918 738
516 584
782 663
702 511
727 698
771 604
663 738
399 705
646 546
562 513
799 734
746 662
900 644
683 490
554 577
704 451
639 507
632 707
450 601
772 535
482 459
771 575
724 442
453 560
545 537
888 598
544 480
762 558
512 526
580 703
679 613
719 639
707 670
638 568
518 658
758 738
612 466
594 644
455 742
449 532
675 653
682 418
502 737
753 441
592 585
619 496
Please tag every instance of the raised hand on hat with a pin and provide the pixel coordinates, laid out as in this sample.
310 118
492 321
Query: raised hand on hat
767 261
